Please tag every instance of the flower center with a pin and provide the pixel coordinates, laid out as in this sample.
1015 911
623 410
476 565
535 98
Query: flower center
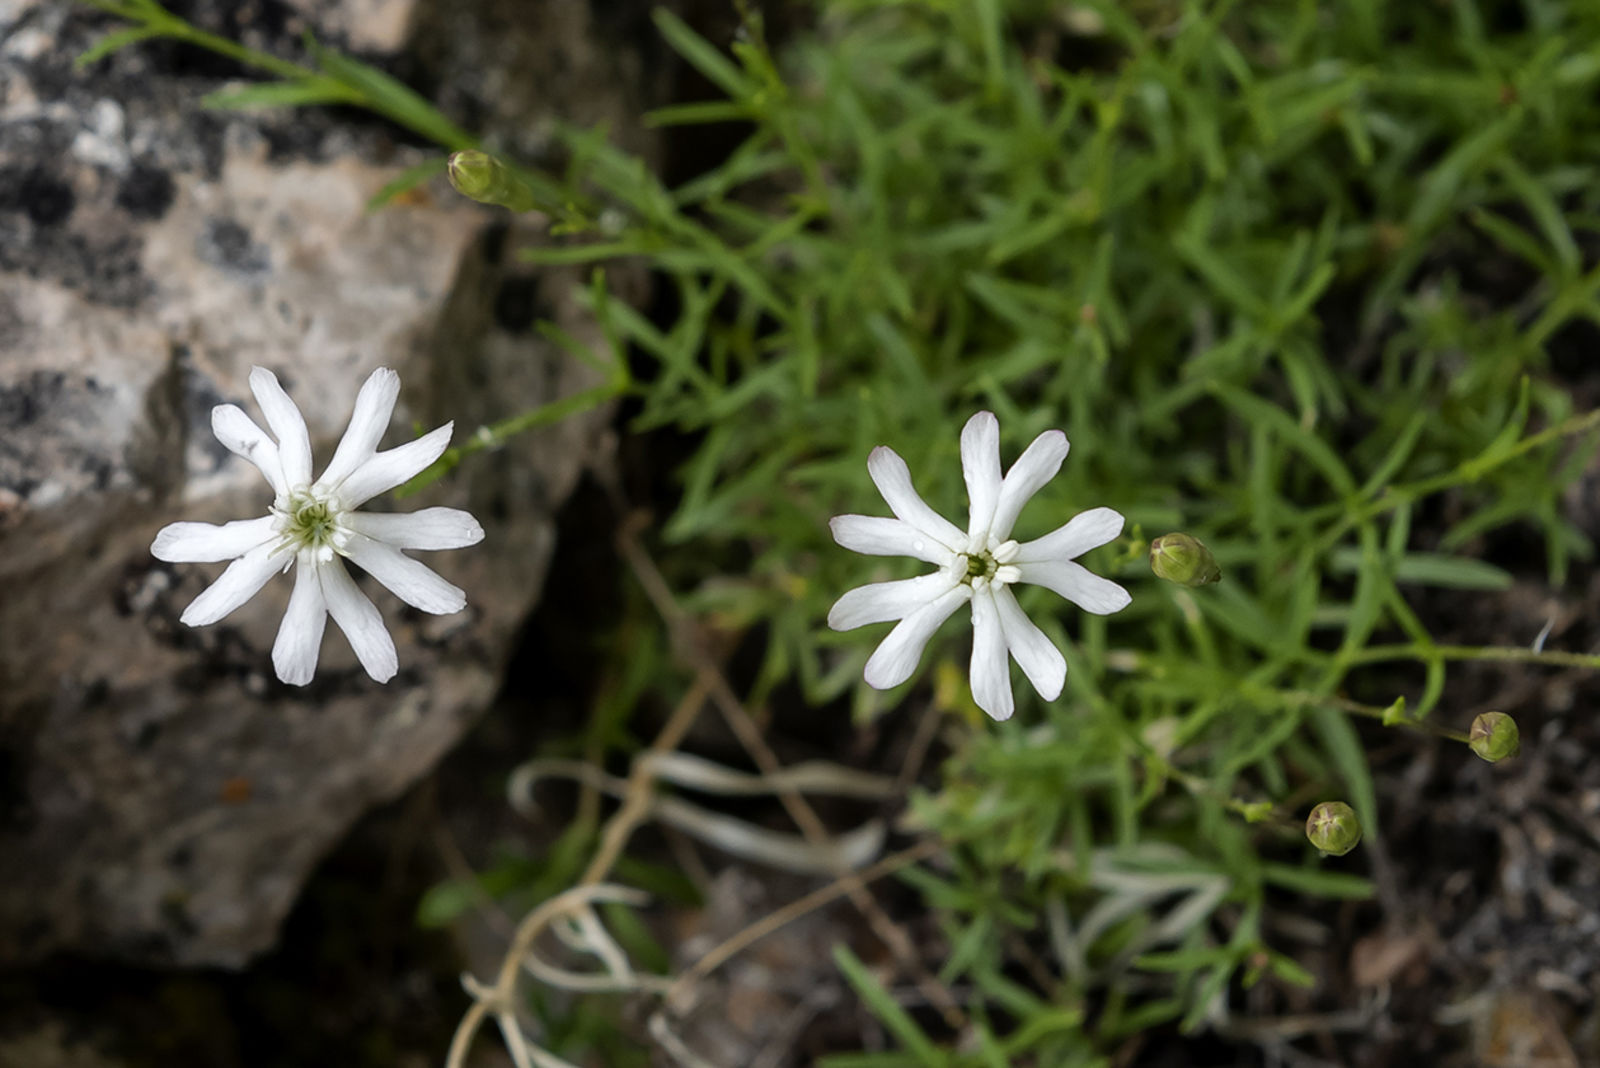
991 564
311 521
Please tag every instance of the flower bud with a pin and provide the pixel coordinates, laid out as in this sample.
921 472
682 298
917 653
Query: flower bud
1183 559
1333 828
1253 811
485 179
1494 737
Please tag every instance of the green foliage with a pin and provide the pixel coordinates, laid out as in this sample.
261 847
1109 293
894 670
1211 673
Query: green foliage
1281 273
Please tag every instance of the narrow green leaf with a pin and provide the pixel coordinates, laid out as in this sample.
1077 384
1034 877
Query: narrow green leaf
279 95
886 1009
1198 252
1514 239
1183 960
1438 191
1430 569
1317 881
1291 971
1255 410
1546 214
391 97
1395 455
563 255
1342 745
1203 997
697 114
443 903
406 181
1504 442
113 42
722 71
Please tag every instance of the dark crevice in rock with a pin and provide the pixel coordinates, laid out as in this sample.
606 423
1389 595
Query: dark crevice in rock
227 244
46 198
356 983
146 192
517 305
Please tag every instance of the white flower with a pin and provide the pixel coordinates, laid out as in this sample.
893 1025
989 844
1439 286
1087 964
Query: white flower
978 566
314 524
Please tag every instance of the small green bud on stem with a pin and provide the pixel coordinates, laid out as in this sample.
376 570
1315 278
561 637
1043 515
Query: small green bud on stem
1494 737
1333 828
485 179
1184 559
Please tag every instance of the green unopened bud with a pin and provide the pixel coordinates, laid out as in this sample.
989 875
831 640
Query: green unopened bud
1333 828
1494 737
485 179
1253 811
1183 559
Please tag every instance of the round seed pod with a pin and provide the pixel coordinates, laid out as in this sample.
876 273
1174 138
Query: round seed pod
1333 828
1184 559
1494 737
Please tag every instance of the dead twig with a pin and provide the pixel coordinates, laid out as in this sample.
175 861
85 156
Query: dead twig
691 646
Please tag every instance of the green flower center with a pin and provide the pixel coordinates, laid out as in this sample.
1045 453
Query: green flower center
991 566
981 565
311 522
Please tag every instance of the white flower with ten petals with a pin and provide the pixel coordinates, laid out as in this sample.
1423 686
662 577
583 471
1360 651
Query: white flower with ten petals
315 525
978 566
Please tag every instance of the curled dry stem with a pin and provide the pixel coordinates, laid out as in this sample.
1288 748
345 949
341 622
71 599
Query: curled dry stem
692 649
641 802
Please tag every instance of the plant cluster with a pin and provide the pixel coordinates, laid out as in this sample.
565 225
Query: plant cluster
1284 273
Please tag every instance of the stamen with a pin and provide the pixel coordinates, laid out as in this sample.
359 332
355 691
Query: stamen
310 521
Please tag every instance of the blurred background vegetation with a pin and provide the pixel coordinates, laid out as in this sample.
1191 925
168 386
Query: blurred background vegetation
1316 283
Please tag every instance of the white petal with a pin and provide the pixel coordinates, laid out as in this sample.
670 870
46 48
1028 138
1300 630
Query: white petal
294 443
412 581
385 470
239 434
893 480
883 601
980 466
879 536
294 654
1037 465
1074 582
359 620
374 408
1041 661
431 528
207 543
236 585
897 655
991 667
1084 531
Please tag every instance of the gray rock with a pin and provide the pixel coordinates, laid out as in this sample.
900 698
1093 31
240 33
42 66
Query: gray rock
48 1044
162 795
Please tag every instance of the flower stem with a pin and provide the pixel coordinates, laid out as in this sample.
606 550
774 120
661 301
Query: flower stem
1394 496
1515 653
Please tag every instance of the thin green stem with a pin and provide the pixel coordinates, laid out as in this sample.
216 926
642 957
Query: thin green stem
159 19
1416 651
1467 471
1308 699
332 87
1577 424
495 435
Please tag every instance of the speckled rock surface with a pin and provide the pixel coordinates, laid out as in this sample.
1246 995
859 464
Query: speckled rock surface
162 795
